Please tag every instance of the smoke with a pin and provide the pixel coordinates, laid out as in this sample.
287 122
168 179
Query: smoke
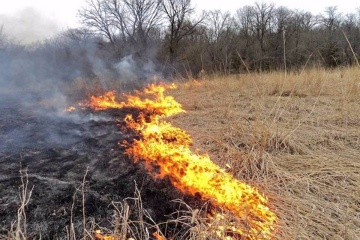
39 80
28 26
127 68
130 70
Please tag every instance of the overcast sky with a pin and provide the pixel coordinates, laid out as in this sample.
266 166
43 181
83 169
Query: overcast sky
31 20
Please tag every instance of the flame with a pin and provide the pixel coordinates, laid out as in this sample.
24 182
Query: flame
166 151
104 102
100 236
193 83
161 105
70 109
158 236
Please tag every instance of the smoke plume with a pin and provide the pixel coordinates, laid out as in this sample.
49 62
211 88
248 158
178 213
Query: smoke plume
29 26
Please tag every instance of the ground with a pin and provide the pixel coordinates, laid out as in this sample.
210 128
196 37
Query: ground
295 137
70 162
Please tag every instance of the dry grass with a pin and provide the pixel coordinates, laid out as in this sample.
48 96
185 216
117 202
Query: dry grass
297 139
19 226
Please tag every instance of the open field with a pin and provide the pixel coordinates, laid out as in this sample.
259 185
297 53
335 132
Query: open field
295 137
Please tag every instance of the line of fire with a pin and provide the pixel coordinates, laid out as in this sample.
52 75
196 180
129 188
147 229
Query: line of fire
166 152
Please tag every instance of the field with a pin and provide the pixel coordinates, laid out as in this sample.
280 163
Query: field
296 137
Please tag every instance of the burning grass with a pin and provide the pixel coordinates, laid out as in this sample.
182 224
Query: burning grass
294 138
166 148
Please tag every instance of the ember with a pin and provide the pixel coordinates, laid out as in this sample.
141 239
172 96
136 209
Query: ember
166 151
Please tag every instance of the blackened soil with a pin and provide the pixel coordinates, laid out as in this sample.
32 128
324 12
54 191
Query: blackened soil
58 150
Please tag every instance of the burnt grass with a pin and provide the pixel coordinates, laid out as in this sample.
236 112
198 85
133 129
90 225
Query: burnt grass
56 149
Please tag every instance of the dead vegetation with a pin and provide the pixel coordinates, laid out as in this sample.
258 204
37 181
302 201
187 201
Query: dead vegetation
295 137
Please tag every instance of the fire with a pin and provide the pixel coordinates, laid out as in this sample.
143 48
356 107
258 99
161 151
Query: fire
166 151
99 236
158 236
194 82
160 105
70 109
104 102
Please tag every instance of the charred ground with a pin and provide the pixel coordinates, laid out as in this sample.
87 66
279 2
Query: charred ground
57 151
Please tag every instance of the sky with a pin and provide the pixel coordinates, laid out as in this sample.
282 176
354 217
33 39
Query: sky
30 20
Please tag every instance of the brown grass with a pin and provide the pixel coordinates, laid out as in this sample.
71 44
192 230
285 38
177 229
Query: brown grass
296 138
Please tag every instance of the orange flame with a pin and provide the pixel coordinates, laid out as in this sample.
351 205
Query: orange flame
168 148
104 102
158 236
100 236
161 105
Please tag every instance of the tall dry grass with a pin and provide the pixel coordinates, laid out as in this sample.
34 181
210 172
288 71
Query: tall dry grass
295 136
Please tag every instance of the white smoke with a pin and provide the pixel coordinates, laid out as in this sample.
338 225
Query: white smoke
130 70
29 26
127 68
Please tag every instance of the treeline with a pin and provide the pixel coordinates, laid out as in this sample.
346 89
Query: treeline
134 39
256 38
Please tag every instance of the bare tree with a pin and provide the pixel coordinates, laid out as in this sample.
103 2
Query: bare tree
282 32
135 20
244 23
218 22
351 31
221 37
262 22
118 14
178 13
301 24
261 25
244 19
331 19
127 24
78 34
95 17
331 23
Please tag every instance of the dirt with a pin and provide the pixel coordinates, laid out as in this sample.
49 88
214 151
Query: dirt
57 150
